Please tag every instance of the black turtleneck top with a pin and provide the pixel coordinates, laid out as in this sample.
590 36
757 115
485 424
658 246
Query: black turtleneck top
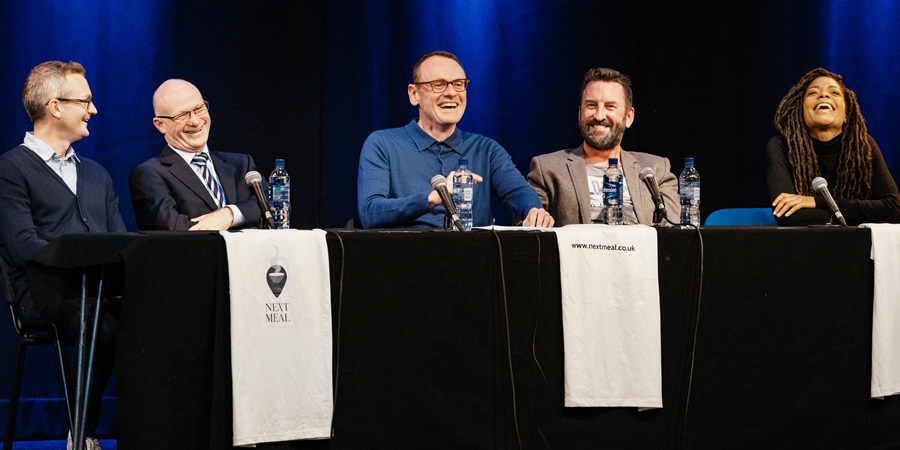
883 206
828 153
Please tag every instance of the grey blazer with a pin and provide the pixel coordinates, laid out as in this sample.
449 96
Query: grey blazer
560 180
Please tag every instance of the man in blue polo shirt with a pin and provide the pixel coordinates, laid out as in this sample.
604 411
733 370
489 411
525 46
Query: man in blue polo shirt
396 165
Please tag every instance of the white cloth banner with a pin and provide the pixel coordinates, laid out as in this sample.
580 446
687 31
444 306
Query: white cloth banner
280 335
610 304
885 309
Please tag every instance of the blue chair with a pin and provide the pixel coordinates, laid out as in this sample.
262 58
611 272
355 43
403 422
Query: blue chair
741 216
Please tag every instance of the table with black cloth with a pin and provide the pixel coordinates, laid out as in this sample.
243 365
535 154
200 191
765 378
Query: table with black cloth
454 340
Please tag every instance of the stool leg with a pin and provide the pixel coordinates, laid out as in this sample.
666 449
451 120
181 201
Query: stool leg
89 370
78 431
85 365
64 370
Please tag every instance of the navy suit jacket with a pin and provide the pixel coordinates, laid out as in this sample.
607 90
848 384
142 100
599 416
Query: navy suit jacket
36 206
166 192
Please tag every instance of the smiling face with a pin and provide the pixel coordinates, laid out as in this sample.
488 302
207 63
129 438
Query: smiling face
74 115
604 115
824 109
175 97
438 112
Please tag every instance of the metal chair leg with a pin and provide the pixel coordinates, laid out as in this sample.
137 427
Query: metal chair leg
14 396
25 341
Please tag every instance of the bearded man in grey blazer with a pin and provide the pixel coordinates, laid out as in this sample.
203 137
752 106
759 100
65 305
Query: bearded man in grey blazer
569 181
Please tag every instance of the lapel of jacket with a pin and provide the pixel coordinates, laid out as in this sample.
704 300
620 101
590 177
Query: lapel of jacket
578 174
183 172
640 197
226 177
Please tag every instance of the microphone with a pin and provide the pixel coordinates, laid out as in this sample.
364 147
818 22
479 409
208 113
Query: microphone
439 183
659 206
821 187
253 179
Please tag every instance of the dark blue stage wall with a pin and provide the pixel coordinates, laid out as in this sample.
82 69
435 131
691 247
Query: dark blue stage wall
310 85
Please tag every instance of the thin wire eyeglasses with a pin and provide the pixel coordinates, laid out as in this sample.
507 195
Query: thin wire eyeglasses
185 116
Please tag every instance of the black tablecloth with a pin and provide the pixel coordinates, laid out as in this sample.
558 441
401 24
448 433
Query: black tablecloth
454 340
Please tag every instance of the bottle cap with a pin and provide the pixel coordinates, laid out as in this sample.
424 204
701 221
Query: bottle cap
689 161
613 161
463 162
279 162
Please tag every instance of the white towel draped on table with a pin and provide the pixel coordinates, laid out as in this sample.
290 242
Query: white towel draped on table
280 344
611 325
885 309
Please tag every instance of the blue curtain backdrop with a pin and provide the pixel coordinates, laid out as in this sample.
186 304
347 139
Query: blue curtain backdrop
308 81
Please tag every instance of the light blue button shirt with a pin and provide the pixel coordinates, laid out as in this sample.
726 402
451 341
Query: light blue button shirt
63 166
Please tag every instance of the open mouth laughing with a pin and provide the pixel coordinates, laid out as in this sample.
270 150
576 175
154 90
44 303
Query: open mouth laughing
824 106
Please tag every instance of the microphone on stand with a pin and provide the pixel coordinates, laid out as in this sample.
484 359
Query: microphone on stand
439 183
821 187
254 179
659 206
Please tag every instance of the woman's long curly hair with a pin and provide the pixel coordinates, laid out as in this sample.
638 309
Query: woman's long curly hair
854 165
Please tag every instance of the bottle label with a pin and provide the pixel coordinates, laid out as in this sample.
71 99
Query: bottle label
612 191
467 194
689 192
280 194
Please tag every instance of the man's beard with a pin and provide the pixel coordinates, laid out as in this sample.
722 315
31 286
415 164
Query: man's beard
612 139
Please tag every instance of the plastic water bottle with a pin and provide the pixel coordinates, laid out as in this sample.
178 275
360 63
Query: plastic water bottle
612 193
689 189
280 195
463 185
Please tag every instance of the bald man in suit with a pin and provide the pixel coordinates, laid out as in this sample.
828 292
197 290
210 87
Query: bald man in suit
189 187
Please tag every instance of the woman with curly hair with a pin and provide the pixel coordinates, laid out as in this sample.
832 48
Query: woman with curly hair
823 134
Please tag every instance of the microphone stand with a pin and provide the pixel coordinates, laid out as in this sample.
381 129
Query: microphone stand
658 216
448 222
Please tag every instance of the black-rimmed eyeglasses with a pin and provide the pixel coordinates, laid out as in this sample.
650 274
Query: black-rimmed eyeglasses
84 101
438 86
185 116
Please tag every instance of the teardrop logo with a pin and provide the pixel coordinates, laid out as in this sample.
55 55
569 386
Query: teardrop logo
276 277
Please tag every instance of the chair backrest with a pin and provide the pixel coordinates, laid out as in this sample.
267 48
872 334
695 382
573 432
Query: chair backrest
353 224
10 295
741 216
5 284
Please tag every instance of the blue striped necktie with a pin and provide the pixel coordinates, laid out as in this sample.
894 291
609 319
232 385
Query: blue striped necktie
200 160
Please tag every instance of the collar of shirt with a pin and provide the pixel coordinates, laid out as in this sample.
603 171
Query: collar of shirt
188 156
44 151
424 140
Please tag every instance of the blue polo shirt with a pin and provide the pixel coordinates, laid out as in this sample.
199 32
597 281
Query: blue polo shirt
396 167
